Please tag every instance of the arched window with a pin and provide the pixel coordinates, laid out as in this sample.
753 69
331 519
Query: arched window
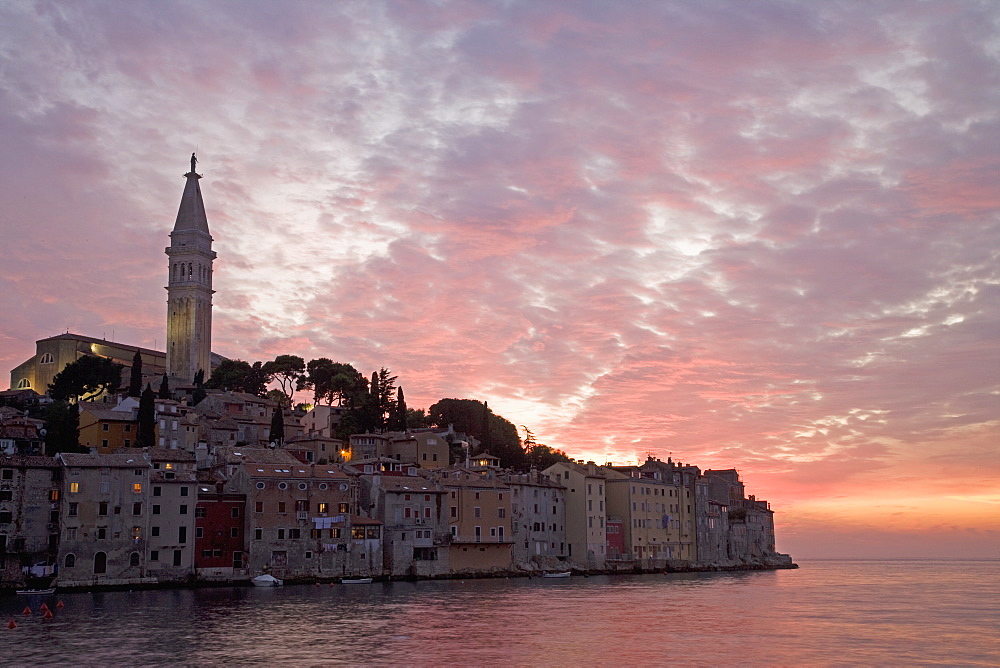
23 384
70 561
100 563
47 358
134 559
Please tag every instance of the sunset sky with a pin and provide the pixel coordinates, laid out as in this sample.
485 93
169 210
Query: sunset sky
761 235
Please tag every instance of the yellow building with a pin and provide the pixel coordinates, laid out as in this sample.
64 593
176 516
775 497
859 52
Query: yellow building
479 521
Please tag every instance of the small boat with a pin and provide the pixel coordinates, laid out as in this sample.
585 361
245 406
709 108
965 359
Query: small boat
267 581
356 581
39 592
560 574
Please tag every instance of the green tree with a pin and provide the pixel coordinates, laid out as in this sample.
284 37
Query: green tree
289 371
538 455
416 418
397 420
257 380
278 397
146 437
240 376
277 433
135 376
475 419
199 388
85 379
334 381
62 428
164 392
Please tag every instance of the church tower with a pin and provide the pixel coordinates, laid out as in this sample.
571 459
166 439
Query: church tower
189 287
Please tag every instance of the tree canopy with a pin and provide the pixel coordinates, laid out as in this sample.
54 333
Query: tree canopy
476 419
289 371
85 379
240 376
135 376
334 381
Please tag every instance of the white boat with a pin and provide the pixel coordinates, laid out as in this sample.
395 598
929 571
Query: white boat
31 592
356 581
267 581
560 574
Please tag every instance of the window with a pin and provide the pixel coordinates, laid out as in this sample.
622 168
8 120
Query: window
133 559
301 506
199 532
157 490
184 491
334 533
294 534
427 511
281 506
128 429
105 487
105 427
182 535
102 533
74 487
177 557
454 511
154 531
258 534
343 508
6 495
235 512
199 511
357 532
501 512
184 510
73 508
137 471
234 532
46 359
237 559
137 488
156 509
477 512
258 507
70 561
281 534
102 508
6 517
154 555
322 508
71 533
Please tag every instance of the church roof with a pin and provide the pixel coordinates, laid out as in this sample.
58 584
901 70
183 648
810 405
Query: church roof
191 215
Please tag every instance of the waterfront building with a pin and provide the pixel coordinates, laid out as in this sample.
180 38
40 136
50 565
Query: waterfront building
170 547
301 521
538 519
103 516
106 429
644 504
479 515
586 535
416 533
29 516
750 521
220 532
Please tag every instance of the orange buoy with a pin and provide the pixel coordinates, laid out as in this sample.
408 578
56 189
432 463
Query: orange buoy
26 611
48 615
43 608
60 605
12 624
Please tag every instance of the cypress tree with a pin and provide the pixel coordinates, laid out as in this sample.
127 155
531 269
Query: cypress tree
400 418
147 419
277 433
199 388
164 388
135 378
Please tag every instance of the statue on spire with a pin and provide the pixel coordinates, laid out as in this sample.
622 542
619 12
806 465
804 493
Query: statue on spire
194 161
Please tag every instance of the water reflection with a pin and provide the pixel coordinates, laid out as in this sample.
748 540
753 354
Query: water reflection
827 612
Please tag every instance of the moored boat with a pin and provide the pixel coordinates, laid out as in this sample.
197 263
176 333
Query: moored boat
32 592
560 574
356 581
267 581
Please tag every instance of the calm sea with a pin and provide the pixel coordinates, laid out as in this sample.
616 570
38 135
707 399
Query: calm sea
825 613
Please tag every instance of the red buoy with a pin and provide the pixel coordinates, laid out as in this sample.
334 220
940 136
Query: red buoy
43 608
12 624
26 611
48 615
60 605
331 584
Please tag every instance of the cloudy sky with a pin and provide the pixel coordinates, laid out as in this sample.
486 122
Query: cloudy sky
757 235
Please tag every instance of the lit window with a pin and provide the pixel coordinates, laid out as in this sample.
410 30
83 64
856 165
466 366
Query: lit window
137 488
74 487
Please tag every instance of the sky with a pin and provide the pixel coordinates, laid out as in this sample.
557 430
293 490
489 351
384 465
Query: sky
755 235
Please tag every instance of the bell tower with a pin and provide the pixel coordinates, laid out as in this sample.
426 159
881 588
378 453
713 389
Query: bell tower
189 286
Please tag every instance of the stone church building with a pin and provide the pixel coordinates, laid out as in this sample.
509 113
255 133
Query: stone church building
189 312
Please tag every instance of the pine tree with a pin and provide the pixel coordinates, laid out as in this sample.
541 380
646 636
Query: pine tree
135 378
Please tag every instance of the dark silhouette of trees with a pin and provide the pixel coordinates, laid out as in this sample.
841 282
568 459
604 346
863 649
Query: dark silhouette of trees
277 433
199 388
85 379
240 376
164 392
476 419
397 419
334 381
290 373
62 428
147 419
135 376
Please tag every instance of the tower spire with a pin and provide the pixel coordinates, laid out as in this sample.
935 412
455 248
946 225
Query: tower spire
189 285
